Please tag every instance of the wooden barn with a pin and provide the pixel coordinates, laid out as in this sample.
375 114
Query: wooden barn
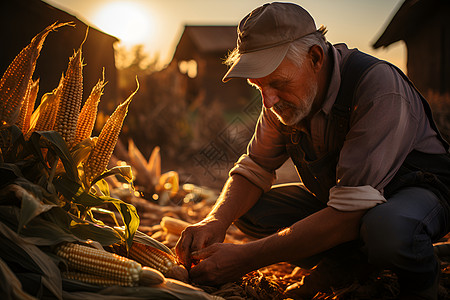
21 20
424 26
200 53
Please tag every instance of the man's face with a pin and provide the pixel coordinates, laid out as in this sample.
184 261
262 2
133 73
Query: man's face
289 91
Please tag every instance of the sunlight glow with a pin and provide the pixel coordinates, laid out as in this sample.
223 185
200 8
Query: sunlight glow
130 22
285 231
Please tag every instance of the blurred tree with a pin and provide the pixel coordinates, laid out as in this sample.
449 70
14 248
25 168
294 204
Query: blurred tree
162 115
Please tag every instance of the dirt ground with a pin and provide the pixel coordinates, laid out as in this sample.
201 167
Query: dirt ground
278 281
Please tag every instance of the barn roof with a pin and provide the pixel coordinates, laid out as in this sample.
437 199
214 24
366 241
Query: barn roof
205 39
38 10
411 15
21 20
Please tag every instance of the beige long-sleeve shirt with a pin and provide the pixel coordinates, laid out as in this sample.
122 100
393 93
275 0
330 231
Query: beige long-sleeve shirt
388 123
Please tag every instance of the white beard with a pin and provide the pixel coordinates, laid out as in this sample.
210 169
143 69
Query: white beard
288 114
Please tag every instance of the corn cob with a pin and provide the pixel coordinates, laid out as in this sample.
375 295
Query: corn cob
31 100
173 225
14 82
94 279
88 114
101 153
139 164
28 106
70 99
148 277
152 257
100 263
94 266
154 165
43 118
23 108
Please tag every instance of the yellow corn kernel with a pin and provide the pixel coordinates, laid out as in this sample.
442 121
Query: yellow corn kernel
95 280
88 114
152 257
27 108
148 277
23 108
70 99
101 153
100 263
14 82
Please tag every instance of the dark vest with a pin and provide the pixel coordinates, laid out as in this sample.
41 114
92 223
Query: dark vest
319 174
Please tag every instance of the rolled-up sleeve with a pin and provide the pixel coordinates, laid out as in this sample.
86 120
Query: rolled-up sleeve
383 131
346 198
246 167
266 152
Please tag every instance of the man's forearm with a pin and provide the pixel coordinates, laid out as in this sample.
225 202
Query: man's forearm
237 197
319 232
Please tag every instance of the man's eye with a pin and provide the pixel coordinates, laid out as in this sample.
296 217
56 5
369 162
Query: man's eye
278 84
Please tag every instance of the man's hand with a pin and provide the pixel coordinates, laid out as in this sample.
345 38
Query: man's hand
221 263
198 236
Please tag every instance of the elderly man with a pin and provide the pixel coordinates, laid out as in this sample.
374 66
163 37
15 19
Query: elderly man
374 168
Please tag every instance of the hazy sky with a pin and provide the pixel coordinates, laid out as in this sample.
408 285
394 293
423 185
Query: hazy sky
356 22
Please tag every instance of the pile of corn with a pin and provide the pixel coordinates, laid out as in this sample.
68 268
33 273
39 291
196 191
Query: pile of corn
61 110
145 266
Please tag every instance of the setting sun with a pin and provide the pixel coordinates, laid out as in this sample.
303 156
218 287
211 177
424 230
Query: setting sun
128 21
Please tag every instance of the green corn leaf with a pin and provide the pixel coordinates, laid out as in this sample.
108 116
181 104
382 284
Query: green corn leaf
17 251
32 205
40 231
103 187
123 171
105 235
129 216
9 173
104 212
23 193
82 229
55 142
10 285
81 151
143 238
76 193
11 141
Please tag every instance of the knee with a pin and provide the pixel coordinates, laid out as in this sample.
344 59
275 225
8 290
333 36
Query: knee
387 236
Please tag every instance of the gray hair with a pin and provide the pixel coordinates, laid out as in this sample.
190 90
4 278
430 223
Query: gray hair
299 48
232 57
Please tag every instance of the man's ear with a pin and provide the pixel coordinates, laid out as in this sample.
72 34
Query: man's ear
317 57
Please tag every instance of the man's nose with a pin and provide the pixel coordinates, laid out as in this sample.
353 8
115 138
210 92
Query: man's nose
269 98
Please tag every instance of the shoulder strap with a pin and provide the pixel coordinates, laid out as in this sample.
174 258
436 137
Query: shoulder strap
354 67
356 64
